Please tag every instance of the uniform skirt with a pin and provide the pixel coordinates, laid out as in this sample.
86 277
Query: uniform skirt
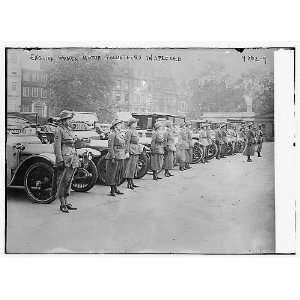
169 160
249 150
130 166
189 155
114 172
157 161
181 156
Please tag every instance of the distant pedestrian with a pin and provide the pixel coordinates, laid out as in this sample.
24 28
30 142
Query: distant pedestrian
260 140
169 148
115 158
67 160
132 148
157 150
250 143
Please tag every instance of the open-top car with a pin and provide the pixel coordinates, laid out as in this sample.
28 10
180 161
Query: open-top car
31 165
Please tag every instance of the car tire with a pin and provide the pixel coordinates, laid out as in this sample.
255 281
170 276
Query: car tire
142 167
34 181
92 170
197 153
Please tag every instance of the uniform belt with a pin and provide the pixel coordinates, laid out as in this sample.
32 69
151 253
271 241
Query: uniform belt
134 143
118 147
68 143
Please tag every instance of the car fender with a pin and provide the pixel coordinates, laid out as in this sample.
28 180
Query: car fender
94 152
18 177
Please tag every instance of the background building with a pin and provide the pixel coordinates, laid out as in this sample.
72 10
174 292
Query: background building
34 92
13 88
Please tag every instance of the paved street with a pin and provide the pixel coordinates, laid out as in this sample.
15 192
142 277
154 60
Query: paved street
225 206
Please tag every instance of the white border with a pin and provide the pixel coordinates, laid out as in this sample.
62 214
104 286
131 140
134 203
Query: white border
285 152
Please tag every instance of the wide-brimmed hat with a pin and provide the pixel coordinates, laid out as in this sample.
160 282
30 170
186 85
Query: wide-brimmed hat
168 123
65 114
115 122
157 125
132 121
222 125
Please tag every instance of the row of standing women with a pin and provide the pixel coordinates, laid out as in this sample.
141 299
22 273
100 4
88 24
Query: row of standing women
123 153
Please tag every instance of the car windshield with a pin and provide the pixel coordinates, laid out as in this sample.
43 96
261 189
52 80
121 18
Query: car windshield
90 118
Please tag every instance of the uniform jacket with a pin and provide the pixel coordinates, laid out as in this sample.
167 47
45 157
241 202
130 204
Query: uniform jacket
132 142
190 139
218 136
116 146
250 137
260 136
64 146
157 143
169 141
183 142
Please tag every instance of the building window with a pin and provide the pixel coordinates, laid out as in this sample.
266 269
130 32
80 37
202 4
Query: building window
126 97
118 97
26 91
118 84
35 92
26 76
26 108
40 109
13 86
44 77
43 93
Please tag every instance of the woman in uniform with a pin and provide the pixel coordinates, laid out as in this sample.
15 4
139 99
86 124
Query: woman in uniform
66 159
115 158
203 142
132 148
250 143
170 149
157 150
189 150
182 146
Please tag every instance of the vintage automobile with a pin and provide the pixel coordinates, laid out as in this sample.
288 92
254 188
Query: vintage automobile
31 165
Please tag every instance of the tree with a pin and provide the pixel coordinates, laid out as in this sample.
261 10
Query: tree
81 86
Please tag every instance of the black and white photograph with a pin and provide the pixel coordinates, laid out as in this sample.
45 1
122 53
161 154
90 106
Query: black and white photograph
140 150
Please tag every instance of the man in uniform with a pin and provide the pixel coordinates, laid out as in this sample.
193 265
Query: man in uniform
66 159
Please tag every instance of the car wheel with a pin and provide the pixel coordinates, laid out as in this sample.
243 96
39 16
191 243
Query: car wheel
197 153
211 151
85 178
38 183
142 166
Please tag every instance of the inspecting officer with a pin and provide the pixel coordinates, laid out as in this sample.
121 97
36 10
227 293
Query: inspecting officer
132 148
115 158
170 148
66 159
182 147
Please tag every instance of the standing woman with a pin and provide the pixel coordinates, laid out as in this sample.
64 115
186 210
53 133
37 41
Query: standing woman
260 140
203 142
189 151
66 159
250 143
157 150
170 148
115 158
182 146
132 148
